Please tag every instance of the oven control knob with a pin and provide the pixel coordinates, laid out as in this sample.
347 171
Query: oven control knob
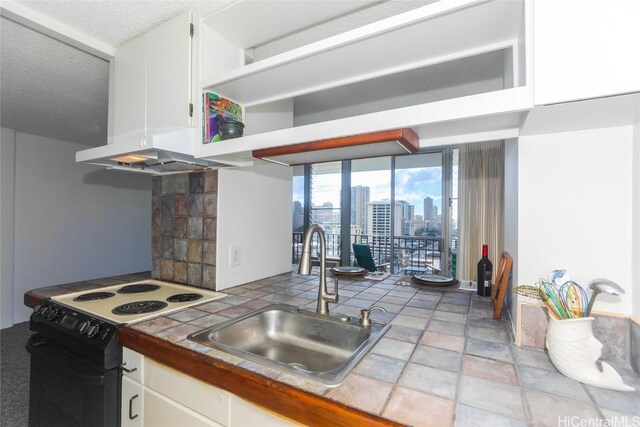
93 331
37 308
42 311
82 329
53 313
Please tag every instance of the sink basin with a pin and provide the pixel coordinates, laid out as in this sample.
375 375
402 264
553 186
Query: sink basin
296 341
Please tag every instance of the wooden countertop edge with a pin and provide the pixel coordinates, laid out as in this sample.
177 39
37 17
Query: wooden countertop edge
31 299
280 398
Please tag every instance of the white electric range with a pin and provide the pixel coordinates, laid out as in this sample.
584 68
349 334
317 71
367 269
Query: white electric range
137 301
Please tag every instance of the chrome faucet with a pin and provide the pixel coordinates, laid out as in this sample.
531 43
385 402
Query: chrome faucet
304 268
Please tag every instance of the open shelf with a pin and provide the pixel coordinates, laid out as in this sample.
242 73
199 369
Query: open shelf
249 23
427 35
493 114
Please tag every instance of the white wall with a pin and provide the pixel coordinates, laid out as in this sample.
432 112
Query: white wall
636 219
511 215
7 157
575 208
462 77
73 221
254 213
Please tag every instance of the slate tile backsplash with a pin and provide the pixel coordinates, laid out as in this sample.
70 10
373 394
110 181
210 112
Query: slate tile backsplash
184 209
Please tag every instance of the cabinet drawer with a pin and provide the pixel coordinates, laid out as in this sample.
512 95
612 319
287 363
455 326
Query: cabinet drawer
132 365
163 412
203 398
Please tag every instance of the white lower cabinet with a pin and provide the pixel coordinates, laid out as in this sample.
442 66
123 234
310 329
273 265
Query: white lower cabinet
154 395
132 403
244 414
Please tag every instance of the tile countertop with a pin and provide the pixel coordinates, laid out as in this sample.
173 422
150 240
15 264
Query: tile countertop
444 361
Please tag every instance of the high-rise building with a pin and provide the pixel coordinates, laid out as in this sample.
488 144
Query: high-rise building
359 201
298 215
418 223
379 218
428 209
324 214
407 217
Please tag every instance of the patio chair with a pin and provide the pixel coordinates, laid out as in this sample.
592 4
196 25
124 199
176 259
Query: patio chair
365 259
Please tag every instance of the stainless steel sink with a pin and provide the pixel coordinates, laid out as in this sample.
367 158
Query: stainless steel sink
299 342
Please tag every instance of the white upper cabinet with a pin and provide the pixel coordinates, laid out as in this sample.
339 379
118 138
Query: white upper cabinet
169 75
152 82
585 49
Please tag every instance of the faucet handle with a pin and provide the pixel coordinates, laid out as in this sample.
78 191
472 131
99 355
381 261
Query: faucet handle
365 313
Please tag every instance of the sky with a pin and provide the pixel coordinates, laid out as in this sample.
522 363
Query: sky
412 185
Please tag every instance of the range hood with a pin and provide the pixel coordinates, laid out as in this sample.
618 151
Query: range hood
376 144
168 152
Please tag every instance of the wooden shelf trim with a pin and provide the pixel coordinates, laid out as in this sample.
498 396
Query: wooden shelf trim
290 402
407 138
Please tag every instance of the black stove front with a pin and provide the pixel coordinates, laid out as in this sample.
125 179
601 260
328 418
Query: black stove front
75 369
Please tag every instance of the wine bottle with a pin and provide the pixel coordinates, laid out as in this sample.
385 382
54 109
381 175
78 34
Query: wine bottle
485 269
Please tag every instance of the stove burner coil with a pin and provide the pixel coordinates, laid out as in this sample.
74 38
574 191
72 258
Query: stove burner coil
139 307
94 296
184 297
136 289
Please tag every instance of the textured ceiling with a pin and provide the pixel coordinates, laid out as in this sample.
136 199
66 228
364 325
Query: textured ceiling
50 89
113 21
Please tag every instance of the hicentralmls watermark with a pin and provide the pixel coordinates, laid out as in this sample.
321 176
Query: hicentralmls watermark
619 421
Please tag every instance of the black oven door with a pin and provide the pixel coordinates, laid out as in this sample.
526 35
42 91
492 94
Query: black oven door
67 391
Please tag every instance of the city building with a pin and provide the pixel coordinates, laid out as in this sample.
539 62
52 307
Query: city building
428 209
359 200
407 217
379 218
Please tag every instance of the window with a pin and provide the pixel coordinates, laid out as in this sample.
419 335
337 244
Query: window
298 199
325 185
297 212
393 204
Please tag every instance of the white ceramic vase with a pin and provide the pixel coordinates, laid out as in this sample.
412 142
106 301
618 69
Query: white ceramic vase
574 351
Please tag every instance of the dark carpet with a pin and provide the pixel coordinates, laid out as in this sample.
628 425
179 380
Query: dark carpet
14 376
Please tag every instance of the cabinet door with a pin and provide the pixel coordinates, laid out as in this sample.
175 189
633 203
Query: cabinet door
169 75
132 403
160 411
585 49
129 90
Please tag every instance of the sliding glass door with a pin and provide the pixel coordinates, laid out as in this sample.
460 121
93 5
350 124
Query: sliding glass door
418 198
369 211
400 206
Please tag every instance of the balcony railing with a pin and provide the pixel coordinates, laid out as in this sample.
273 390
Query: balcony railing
416 253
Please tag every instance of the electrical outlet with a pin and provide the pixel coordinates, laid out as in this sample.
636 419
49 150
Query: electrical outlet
234 255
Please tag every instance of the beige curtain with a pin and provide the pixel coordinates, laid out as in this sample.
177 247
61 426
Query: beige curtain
480 205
